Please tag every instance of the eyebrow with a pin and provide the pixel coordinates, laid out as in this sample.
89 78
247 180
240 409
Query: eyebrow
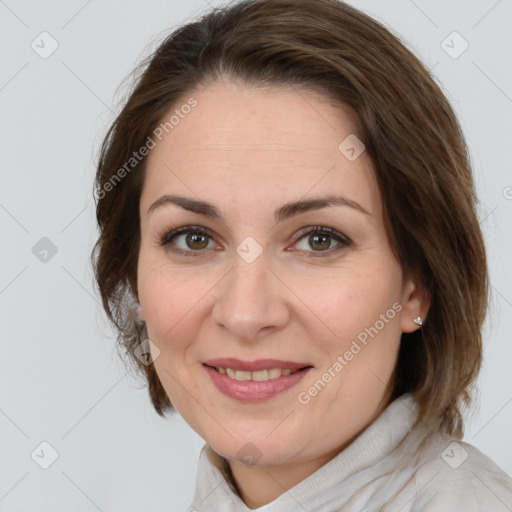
282 213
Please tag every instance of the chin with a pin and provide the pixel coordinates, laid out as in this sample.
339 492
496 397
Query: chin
256 450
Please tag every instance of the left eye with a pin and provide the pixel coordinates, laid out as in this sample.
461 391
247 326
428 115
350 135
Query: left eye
320 239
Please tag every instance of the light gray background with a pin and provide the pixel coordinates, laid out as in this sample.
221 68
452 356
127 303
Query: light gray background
61 380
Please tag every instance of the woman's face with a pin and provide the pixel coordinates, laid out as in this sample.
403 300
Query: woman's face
253 283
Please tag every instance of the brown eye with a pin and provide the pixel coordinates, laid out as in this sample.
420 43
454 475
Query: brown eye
187 239
320 240
196 240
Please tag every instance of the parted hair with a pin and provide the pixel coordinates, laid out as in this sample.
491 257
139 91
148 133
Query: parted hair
412 136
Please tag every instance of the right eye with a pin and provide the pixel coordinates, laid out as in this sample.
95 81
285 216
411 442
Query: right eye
187 240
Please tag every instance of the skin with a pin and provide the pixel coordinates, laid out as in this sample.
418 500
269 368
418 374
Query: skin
248 151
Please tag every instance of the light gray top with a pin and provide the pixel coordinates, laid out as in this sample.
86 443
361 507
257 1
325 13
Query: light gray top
393 466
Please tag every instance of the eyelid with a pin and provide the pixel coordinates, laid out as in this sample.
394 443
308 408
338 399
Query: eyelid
312 230
172 232
343 241
165 237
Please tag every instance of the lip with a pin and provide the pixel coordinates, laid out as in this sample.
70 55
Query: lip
254 366
254 391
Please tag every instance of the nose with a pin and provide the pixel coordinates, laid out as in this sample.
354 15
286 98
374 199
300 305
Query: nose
251 301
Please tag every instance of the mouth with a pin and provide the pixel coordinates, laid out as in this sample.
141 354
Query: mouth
257 385
257 375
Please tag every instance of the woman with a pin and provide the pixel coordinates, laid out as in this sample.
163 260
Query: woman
290 252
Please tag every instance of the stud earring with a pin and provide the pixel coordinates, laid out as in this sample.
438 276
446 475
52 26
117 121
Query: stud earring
418 321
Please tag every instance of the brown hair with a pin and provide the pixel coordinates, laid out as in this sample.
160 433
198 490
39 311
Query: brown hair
412 137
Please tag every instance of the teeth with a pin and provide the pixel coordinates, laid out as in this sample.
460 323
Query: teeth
242 375
274 373
260 375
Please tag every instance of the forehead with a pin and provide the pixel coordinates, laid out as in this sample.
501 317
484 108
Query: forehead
258 141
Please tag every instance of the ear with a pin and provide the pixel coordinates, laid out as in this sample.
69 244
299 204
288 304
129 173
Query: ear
132 284
415 303
140 312
135 294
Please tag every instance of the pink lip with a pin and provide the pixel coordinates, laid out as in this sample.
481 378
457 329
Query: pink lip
254 391
254 366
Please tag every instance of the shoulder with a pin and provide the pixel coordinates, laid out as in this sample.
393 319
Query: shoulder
455 475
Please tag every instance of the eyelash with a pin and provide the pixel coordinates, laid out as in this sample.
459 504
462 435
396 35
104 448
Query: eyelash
166 238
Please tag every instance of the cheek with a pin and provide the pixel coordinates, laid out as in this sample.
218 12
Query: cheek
173 299
360 310
164 299
351 301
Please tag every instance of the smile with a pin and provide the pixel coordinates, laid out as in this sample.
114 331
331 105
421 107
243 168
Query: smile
261 375
254 386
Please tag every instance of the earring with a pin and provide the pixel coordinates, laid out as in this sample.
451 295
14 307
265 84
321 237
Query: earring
418 321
